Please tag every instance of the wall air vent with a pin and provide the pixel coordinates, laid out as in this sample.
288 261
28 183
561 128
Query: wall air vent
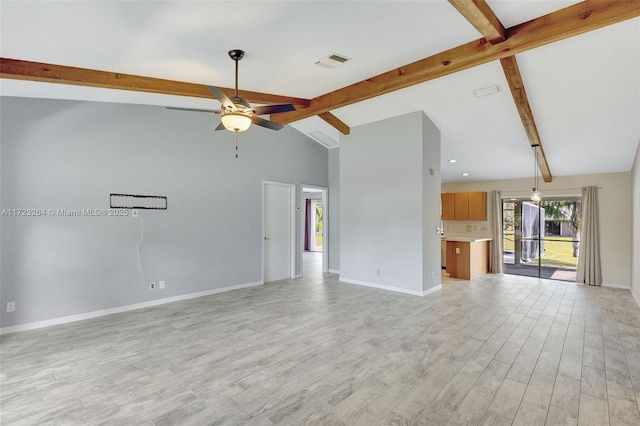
332 61
324 139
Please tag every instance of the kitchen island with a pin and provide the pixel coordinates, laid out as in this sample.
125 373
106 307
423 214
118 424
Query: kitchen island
467 257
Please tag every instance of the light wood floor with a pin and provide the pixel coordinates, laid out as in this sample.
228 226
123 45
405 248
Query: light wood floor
497 350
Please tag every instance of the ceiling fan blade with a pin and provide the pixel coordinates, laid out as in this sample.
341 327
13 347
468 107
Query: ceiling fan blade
265 123
222 97
220 126
273 109
215 111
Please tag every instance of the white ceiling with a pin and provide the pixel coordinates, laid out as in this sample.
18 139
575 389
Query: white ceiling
584 91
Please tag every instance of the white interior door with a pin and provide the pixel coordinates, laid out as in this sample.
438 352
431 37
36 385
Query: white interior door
278 233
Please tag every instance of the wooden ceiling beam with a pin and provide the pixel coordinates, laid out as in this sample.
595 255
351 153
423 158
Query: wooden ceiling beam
480 15
512 72
564 23
335 122
50 73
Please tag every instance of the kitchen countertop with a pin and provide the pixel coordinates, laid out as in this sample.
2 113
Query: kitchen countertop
467 239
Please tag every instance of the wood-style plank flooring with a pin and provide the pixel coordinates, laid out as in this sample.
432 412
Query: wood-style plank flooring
498 350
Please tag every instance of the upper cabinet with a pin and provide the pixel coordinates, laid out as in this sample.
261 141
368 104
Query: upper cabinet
448 209
477 206
464 206
461 205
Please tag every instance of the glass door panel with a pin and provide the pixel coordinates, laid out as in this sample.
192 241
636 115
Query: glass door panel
561 237
541 240
508 231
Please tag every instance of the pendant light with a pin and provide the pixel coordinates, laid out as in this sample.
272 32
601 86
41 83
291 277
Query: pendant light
536 195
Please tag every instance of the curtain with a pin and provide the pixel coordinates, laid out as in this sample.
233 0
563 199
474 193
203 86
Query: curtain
307 225
589 270
496 252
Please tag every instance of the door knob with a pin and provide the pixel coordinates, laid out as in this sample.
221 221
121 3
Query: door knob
267 238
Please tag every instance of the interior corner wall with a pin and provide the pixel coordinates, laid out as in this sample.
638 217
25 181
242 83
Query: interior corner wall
635 249
334 209
71 155
431 185
381 202
614 211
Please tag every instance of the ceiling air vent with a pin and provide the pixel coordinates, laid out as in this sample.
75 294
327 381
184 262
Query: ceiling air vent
487 91
324 139
332 61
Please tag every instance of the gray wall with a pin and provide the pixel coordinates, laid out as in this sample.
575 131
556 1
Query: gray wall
384 203
334 209
431 243
635 224
71 155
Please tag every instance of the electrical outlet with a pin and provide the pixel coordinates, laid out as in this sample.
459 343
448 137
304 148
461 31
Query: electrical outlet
433 275
161 284
11 306
134 213
152 285
378 272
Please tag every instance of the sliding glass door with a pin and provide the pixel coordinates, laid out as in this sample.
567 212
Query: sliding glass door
541 239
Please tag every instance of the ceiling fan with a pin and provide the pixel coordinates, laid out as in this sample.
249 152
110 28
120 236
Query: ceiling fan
237 114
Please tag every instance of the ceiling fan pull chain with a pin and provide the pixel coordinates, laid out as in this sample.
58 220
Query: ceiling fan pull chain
236 144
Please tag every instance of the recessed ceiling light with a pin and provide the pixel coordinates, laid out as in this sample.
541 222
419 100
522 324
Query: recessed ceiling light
453 161
486 91
465 174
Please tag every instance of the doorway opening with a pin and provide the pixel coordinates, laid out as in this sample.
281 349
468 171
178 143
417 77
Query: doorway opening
541 239
314 230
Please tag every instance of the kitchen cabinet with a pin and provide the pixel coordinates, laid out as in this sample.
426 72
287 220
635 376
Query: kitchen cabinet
464 206
467 259
448 209
477 206
461 205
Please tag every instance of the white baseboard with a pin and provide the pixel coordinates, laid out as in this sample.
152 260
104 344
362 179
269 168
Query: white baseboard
119 309
382 287
432 290
334 271
635 298
612 285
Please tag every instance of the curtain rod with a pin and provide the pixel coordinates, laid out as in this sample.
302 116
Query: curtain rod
547 190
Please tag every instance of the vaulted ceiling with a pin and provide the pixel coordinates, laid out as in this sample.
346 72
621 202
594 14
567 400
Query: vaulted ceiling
572 86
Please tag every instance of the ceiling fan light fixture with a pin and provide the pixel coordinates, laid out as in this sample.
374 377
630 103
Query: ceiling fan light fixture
236 121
